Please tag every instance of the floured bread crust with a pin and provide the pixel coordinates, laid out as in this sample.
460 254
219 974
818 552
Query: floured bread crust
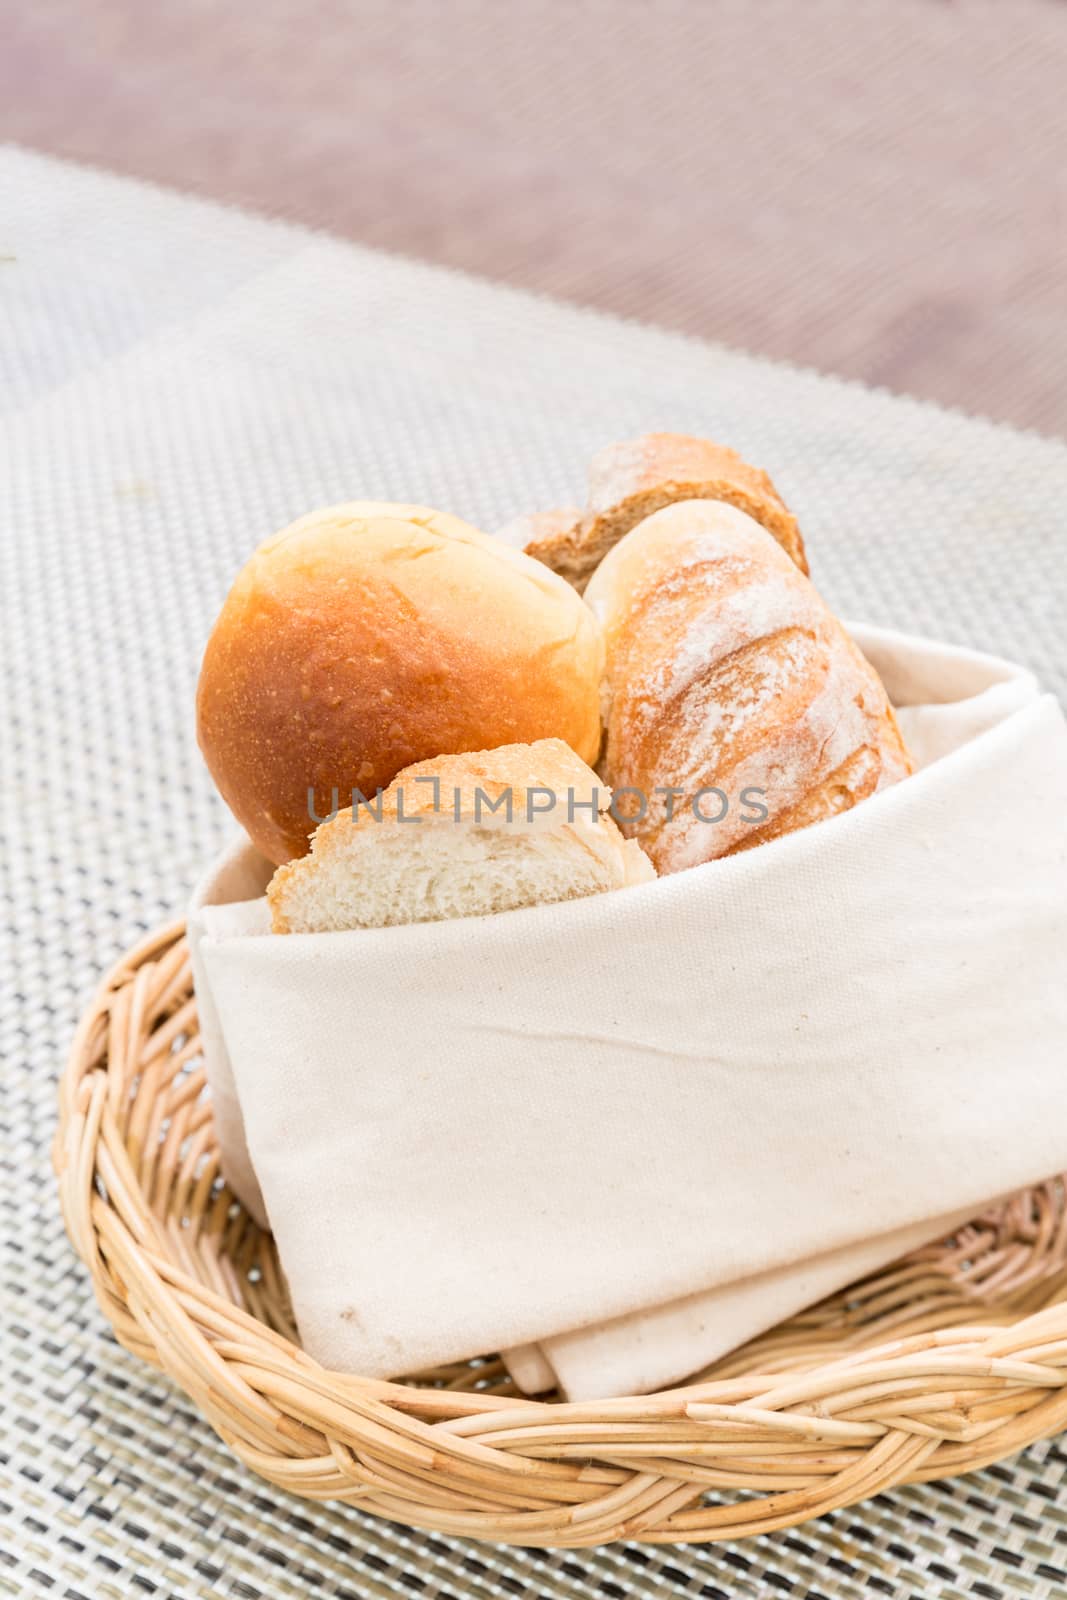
631 480
726 670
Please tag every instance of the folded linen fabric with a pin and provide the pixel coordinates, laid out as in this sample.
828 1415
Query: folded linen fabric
617 1137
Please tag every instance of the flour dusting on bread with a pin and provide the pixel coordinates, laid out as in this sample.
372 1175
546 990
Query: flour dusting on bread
727 672
631 480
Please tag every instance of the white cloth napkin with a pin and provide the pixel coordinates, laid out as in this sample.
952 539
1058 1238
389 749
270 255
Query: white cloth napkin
617 1137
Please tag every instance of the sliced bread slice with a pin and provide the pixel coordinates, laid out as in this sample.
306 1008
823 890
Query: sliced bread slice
461 836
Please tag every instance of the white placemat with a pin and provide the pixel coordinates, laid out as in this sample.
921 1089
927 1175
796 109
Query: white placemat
176 381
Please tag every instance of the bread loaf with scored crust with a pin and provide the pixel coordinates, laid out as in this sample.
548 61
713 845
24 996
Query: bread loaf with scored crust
725 669
631 480
435 847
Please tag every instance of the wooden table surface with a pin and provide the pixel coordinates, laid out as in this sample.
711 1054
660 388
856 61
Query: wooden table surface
876 190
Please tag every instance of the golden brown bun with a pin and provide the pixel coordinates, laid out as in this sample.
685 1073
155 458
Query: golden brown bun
725 669
629 481
432 849
365 637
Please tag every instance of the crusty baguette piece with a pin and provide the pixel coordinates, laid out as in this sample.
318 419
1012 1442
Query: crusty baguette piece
534 527
631 480
438 850
726 669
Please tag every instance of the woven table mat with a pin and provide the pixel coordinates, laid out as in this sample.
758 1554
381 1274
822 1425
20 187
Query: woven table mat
176 381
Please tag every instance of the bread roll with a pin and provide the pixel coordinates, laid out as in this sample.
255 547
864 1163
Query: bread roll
629 481
439 851
366 637
726 670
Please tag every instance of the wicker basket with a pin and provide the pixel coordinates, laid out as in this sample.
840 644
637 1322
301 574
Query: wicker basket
942 1363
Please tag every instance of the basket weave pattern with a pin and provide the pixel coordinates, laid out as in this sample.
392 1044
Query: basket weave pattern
941 1363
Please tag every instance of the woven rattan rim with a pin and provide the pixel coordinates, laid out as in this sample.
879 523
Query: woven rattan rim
945 1362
